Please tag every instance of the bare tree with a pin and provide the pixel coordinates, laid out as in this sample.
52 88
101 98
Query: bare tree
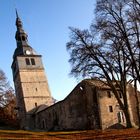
93 60
120 20
110 51
5 90
7 101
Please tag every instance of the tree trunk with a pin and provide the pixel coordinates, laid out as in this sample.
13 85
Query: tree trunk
127 116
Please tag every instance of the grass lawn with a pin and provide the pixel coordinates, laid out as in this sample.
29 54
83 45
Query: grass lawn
126 134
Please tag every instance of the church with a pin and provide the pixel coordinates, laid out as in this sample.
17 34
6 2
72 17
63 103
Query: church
90 105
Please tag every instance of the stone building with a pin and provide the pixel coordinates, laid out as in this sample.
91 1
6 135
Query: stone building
91 105
31 85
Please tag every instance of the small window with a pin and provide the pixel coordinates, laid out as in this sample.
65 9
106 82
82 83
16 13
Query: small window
109 94
27 61
36 89
35 104
110 109
43 124
32 61
120 117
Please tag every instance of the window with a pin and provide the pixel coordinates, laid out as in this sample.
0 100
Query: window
120 117
43 124
35 104
36 89
109 94
110 109
32 61
27 61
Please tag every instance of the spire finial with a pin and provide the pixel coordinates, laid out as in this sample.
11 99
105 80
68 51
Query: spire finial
17 13
18 20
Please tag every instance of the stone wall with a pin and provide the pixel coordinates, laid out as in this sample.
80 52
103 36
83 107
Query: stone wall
77 111
109 109
87 107
31 87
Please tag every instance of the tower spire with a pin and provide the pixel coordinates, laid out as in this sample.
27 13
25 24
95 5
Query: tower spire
31 86
18 22
21 39
17 13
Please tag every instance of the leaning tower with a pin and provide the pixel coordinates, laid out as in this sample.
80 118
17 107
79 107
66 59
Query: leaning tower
31 85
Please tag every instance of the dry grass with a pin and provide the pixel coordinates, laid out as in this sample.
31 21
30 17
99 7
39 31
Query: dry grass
127 134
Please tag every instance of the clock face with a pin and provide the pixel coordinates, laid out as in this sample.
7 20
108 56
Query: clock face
28 52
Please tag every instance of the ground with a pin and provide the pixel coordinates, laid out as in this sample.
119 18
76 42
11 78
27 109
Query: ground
126 134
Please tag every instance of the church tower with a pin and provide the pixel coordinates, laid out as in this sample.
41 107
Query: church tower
29 78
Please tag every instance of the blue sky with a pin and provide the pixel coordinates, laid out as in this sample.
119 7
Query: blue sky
46 22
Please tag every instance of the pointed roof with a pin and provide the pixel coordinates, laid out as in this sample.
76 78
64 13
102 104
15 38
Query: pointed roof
17 13
22 39
18 22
